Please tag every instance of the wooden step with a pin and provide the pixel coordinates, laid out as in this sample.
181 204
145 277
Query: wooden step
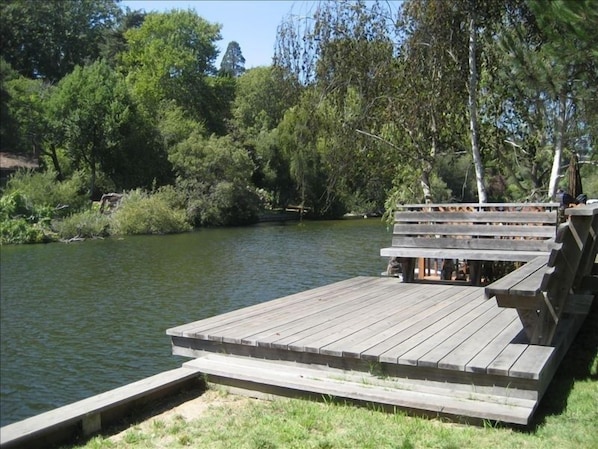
294 379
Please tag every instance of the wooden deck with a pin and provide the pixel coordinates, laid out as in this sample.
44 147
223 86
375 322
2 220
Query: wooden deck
430 349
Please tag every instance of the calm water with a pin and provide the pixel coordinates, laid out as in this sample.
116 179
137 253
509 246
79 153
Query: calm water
80 319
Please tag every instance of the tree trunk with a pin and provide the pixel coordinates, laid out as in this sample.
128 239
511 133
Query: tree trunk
92 164
558 146
473 111
52 153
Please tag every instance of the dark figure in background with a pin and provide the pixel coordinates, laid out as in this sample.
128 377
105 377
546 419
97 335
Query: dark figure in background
566 200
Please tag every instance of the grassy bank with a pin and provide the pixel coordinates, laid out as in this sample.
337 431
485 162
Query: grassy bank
567 418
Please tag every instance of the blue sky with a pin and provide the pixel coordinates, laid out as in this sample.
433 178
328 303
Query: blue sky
252 24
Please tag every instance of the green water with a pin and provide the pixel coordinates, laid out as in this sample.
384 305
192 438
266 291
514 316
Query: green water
79 319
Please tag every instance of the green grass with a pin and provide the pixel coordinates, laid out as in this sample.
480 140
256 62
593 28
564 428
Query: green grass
566 418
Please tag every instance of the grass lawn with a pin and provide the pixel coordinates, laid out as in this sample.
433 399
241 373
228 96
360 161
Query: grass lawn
566 418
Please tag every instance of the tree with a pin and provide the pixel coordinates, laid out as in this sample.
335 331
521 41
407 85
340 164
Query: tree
233 62
427 114
344 55
96 121
170 57
215 175
48 39
263 95
114 42
570 62
541 89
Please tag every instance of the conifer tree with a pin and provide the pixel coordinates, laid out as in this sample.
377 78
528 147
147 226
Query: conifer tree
233 62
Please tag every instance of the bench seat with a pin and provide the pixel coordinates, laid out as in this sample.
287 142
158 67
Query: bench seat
495 232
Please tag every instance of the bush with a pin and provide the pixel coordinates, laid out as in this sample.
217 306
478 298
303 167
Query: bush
87 224
229 205
20 222
19 230
41 189
142 213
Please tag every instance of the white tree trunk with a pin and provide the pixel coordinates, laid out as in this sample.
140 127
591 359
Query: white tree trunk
473 111
558 147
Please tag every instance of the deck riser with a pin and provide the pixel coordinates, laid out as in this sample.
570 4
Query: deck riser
464 381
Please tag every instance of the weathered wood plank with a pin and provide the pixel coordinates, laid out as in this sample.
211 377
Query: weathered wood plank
474 230
503 362
543 245
409 351
511 334
531 362
431 304
73 416
401 338
329 329
448 253
432 357
317 382
533 218
304 314
483 206
508 284
188 329
272 329
459 357
200 329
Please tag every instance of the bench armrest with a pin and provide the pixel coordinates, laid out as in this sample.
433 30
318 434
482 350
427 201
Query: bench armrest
524 281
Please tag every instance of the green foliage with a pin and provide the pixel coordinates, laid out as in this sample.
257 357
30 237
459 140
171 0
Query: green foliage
142 213
169 58
41 189
21 222
96 121
233 62
87 224
215 175
48 39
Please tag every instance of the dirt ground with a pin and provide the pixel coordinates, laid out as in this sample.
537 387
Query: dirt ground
190 409
15 160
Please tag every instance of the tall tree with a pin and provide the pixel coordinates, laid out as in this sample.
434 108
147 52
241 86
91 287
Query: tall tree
233 62
570 62
170 57
545 78
430 96
48 39
95 120
345 57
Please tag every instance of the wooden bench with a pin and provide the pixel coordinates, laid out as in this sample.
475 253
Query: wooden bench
516 232
548 288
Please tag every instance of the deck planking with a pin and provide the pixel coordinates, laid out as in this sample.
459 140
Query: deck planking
450 327
444 340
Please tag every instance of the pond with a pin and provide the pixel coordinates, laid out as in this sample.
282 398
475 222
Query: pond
79 319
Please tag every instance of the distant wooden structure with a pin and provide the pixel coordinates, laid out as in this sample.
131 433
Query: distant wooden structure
436 349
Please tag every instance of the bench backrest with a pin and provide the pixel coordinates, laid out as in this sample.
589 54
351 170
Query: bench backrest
489 226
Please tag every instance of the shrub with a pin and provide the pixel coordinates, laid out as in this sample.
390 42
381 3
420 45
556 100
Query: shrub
142 213
228 205
20 222
19 230
40 189
86 224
